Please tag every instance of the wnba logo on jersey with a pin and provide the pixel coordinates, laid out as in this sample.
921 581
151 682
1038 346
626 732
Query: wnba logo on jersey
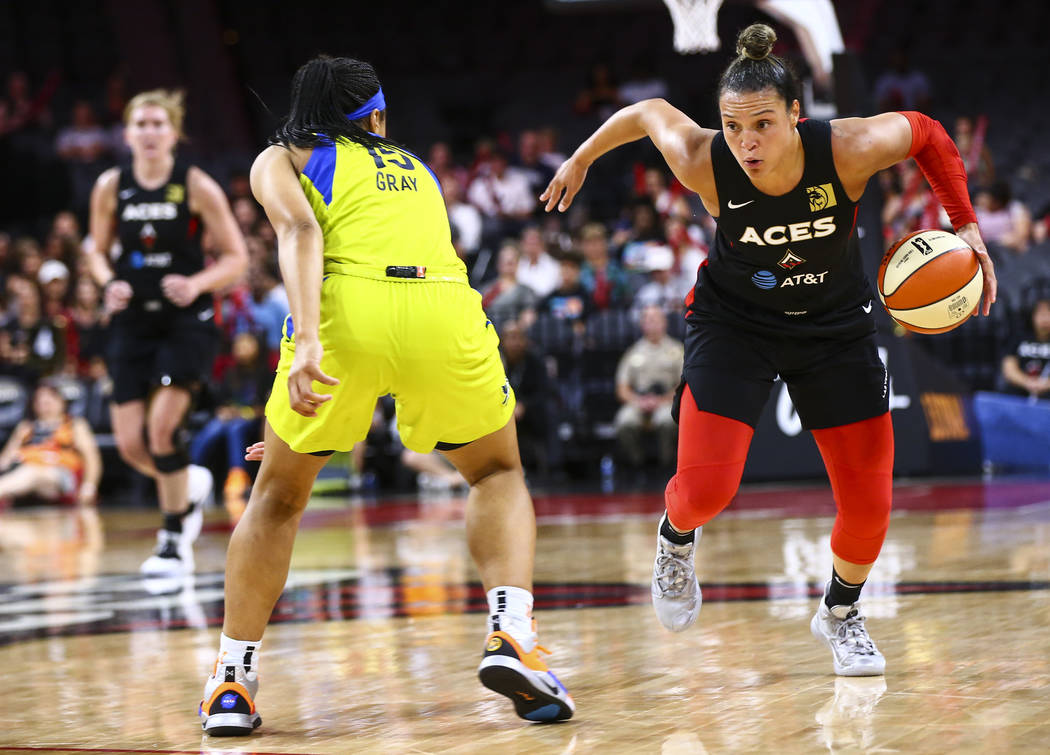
820 197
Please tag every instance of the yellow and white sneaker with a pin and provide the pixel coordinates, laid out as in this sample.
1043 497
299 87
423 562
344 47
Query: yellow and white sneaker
228 706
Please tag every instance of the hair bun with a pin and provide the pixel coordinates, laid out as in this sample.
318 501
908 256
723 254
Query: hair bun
756 41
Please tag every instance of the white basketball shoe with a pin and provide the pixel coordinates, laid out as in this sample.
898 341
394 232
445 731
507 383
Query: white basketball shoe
675 588
228 706
852 651
173 554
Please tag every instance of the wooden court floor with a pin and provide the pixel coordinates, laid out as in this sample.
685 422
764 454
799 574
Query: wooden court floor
375 641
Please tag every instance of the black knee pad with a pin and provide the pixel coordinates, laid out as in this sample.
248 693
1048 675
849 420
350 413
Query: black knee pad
173 462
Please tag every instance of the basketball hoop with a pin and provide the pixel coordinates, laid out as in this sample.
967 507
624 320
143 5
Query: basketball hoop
695 25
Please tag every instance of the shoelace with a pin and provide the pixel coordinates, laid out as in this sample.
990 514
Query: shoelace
166 546
672 572
852 632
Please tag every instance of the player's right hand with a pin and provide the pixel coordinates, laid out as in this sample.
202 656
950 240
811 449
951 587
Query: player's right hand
568 179
117 296
306 369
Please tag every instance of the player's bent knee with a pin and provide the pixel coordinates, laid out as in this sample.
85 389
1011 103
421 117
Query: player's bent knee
171 462
696 495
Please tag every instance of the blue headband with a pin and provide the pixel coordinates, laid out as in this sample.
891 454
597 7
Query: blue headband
375 102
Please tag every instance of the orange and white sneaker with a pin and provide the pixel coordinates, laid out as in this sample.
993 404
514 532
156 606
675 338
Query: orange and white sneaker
228 707
537 693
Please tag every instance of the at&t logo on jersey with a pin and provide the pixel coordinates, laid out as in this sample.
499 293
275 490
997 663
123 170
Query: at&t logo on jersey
804 279
764 280
785 234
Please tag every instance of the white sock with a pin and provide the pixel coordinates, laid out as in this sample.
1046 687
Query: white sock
239 653
510 609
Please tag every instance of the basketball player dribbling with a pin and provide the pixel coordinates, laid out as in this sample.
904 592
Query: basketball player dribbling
782 293
380 304
162 339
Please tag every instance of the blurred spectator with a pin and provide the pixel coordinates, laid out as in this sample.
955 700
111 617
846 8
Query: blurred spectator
269 304
506 298
31 345
537 269
241 397
247 213
646 379
529 162
633 239
464 218
533 390
657 190
643 83
1003 220
662 290
504 197
600 98
51 455
1026 365
547 146
902 87
20 109
570 300
603 278
907 201
66 226
87 326
970 139
30 258
439 160
54 285
85 146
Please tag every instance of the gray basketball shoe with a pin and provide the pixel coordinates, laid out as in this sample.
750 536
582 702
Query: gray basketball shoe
852 651
675 588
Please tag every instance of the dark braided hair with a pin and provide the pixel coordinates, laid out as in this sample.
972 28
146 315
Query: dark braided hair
756 69
324 90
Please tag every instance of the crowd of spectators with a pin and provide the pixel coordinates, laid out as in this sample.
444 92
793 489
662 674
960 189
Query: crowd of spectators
583 301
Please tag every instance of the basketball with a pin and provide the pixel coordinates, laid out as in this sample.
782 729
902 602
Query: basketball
930 281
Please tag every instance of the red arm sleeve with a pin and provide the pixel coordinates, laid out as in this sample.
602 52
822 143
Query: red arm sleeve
940 162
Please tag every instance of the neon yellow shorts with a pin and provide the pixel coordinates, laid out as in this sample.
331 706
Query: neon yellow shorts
427 343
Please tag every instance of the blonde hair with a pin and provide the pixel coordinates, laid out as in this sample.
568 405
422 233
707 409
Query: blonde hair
172 100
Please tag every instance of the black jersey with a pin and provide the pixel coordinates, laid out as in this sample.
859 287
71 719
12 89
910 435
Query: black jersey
158 236
785 264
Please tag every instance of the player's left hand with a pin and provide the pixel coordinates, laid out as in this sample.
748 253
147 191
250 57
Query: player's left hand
255 451
972 236
179 290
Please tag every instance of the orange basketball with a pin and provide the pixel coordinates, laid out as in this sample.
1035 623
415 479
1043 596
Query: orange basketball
930 281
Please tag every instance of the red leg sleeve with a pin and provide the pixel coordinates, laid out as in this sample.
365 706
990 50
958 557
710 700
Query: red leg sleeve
711 453
859 460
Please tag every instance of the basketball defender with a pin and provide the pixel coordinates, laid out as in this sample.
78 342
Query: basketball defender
781 294
380 304
162 338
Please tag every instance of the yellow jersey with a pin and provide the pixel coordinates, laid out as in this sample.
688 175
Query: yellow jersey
378 207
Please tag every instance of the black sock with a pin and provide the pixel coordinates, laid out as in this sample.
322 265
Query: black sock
670 533
841 592
173 522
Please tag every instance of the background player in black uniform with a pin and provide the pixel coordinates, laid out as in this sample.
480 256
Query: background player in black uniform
162 339
782 294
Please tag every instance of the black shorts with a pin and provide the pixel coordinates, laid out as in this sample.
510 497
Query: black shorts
832 382
147 352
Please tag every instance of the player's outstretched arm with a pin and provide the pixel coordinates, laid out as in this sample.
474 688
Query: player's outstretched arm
864 146
684 145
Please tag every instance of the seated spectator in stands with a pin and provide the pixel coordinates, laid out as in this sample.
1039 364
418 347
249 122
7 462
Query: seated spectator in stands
51 455
570 300
977 158
902 87
528 376
23 110
87 325
241 397
632 239
690 251
29 257
84 145
54 286
529 162
547 145
439 160
1026 365
605 281
269 305
662 290
31 345
247 213
464 218
504 197
507 299
600 98
644 83
65 225
537 269
657 190
646 379
1003 220
906 201
1041 225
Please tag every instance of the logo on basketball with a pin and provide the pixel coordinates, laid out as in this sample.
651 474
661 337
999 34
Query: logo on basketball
764 280
790 260
820 197
494 644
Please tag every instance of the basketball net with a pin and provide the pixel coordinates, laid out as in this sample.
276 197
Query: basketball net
695 25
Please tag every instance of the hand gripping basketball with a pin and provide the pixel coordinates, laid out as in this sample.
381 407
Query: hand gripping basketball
972 236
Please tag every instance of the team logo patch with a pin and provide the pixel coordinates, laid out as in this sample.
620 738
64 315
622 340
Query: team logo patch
764 279
175 193
494 644
790 260
228 700
820 197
